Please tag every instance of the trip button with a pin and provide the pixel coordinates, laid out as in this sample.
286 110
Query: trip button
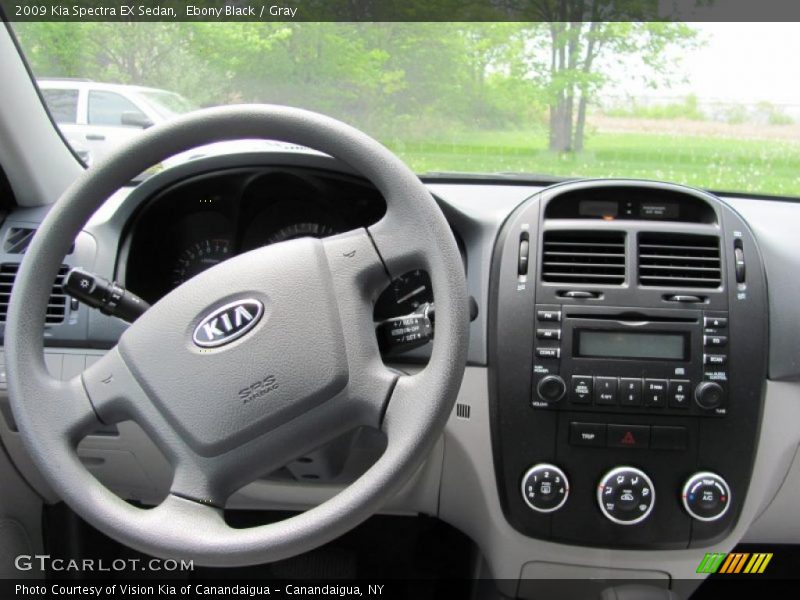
581 389
628 436
553 316
715 340
630 391
655 393
605 390
679 393
587 434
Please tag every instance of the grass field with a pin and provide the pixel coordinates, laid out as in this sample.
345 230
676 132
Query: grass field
721 164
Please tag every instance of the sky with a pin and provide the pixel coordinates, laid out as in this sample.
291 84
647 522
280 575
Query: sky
740 62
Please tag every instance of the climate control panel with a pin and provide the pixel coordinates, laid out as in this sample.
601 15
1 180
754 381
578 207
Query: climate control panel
626 495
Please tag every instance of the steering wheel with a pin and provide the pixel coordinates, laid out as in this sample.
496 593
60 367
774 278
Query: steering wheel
250 364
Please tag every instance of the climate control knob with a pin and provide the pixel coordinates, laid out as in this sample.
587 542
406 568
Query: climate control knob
708 395
626 495
551 388
545 487
706 496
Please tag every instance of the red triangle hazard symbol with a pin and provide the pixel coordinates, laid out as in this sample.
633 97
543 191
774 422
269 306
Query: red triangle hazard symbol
628 438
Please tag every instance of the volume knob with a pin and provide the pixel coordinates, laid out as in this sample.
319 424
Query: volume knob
708 395
551 388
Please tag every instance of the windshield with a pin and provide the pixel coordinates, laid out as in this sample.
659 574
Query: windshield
167 104
704 104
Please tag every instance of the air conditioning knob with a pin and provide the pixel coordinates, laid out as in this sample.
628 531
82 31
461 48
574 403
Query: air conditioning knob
626 495
708 395
551 388
706 496
545 488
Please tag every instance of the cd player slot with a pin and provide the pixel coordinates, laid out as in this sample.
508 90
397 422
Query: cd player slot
631 317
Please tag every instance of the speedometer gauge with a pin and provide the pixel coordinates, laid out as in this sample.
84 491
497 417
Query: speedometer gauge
198 257
299 230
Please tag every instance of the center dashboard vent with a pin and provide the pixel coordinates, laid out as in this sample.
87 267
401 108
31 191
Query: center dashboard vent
679 260
56 305
583 257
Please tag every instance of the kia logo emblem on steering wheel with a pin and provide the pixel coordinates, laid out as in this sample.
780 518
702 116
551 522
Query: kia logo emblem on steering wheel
228 323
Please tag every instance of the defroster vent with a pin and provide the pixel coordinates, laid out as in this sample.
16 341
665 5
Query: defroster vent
56 305
679 260
583 257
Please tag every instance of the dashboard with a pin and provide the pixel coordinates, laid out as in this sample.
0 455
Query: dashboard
638 341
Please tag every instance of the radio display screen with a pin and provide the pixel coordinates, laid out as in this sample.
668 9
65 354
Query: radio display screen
633 345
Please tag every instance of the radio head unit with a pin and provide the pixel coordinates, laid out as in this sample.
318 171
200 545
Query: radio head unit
658 361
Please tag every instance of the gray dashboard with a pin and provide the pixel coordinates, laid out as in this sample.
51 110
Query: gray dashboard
457 483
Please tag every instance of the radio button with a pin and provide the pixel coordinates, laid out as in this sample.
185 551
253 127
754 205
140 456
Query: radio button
679 393
715 322
628 436
548 352
715 340
587 434
553 316
715 359
655 393
581 389
605 390
630 391
548 334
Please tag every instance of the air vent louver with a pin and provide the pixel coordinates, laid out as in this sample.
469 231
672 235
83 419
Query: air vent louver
56 305
580 257
675 261
17 240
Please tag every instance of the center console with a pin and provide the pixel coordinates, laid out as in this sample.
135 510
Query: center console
627 357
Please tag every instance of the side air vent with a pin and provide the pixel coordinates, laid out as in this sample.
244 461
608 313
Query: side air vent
17 240
56 306
674 260
580 257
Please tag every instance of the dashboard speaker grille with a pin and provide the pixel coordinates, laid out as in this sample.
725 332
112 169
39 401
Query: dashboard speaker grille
580 257
56 305
679 260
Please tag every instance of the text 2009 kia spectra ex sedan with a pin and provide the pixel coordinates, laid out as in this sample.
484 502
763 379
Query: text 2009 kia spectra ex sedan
475 310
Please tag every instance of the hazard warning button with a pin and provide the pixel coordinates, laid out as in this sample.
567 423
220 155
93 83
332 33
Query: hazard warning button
628 436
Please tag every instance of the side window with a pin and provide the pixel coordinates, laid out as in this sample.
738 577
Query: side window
62 104
106 108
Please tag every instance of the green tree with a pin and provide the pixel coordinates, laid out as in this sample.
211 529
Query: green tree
569 51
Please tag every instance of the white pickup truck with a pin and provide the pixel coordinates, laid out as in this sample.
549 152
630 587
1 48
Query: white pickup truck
97 117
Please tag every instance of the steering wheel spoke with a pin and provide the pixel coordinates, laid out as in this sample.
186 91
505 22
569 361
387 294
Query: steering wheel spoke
359 276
